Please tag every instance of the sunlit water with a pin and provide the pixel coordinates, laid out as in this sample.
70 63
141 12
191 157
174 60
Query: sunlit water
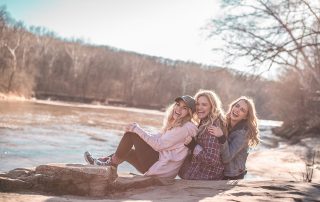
34 133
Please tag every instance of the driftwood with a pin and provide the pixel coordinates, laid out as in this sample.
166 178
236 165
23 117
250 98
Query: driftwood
71 179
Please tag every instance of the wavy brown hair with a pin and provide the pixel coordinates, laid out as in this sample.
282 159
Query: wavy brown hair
251 120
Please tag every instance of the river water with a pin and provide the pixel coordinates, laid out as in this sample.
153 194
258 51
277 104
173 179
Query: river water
40 132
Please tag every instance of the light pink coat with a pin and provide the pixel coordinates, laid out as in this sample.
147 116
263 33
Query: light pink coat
170 146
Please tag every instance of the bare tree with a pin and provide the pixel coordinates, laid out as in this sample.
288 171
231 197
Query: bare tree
11 36
283 33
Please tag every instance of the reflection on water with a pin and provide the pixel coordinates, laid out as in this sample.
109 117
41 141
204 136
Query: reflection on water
38 133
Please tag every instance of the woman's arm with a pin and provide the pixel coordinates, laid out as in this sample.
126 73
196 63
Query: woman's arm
169 138
216 131
231 148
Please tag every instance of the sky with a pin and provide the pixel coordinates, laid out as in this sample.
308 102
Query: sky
172 29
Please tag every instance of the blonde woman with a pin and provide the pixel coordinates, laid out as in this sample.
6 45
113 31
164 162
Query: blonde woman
206 163
243 133
161 154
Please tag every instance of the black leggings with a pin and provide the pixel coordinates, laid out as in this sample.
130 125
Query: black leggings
142 156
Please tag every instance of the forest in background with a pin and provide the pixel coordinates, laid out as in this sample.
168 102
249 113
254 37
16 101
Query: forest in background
35 62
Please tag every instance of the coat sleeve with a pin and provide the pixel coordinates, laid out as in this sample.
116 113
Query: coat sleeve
211 150
232 147
169 138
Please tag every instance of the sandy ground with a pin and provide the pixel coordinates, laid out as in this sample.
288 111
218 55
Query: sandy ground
197 191
281 164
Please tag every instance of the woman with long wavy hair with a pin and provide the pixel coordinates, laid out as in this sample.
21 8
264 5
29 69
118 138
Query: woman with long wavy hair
243 133
159 154
205 162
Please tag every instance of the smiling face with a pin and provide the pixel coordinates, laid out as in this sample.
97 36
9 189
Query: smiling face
238 112
203 107
180 110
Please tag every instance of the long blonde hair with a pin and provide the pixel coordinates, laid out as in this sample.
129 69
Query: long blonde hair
169 122
216 115
251 120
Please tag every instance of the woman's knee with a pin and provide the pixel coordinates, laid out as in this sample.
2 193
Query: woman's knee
127 135
130 134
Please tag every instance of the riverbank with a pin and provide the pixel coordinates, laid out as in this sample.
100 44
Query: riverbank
278 177
286 162
12 97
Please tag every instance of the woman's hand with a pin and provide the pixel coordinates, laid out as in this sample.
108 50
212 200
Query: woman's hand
131 127
187 140
216 131
228 115
190 142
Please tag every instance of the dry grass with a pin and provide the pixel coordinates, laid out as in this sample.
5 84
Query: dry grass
308 174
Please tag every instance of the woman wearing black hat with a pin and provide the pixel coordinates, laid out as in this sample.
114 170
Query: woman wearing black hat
160 154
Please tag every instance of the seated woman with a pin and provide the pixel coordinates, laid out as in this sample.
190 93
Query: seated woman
243 133
205 162
161 154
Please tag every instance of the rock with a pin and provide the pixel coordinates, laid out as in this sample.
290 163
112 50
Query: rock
59 179
125 183
73 179
300 128
195 190
19 173
8 184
